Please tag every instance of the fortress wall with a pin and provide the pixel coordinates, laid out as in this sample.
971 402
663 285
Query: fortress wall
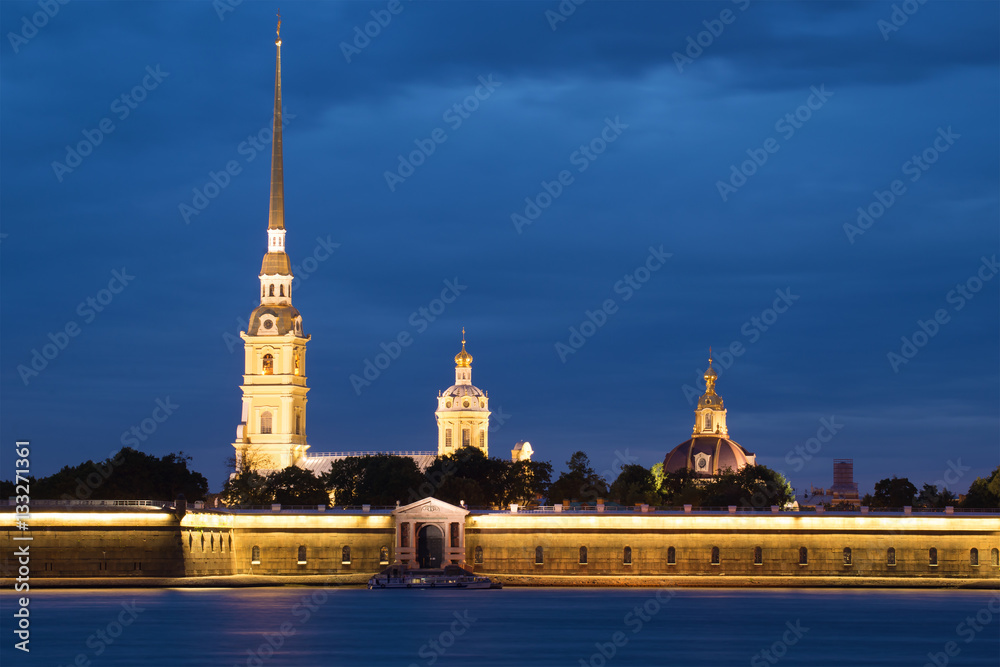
509 542
96 543
279 536
155 543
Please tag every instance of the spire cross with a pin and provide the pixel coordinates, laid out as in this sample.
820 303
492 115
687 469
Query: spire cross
278 32
463 338
709 355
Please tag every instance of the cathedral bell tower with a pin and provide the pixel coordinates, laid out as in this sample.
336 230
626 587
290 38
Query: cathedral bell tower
710 415
272 427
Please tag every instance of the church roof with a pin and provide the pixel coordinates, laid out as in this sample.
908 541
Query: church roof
718 453
284 320
275 264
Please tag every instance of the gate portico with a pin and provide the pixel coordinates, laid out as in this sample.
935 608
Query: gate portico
430 534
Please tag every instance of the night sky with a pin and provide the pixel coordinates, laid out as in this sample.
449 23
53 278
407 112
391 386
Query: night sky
745 159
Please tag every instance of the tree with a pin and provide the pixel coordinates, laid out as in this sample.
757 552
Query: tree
755 486
930 497
580 482
634 484
680 488
128 475
246 487
525 481
470 475
296 486
984 492
894 492
379 479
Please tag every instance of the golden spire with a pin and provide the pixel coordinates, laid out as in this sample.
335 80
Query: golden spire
463 359
276 217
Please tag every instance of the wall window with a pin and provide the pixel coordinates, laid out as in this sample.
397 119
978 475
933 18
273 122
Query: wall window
715 555
539 556
295 358
302 555
758 556
298 424
627 556
404 535
265 422
268 364
447 437
478 557
482 439
383 556
255 555
803 556
230 543
466 437
191 541
454 535
890 556
671 556
583 555
932 556
708 421
203 541
211 542
995 557
848 556
346 556
974 557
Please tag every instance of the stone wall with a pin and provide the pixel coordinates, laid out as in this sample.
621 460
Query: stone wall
146 542
509 543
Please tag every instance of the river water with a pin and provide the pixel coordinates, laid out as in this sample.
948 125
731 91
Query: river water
515 626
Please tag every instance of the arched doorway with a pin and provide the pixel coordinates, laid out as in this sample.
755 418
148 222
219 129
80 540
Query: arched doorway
430 547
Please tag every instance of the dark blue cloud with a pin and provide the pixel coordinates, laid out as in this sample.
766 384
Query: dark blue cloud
169 333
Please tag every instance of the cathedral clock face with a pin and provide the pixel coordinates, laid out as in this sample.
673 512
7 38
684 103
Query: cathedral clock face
267 324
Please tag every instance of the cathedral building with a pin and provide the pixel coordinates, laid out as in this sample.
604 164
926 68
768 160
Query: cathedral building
709 451
272 431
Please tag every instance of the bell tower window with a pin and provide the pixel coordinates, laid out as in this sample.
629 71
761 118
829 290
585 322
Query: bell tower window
271 291
466 437
447 437
708 421
298 424
268 364
281 290
265 422
482 440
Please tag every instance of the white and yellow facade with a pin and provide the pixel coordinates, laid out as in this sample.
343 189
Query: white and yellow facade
273 420
463 414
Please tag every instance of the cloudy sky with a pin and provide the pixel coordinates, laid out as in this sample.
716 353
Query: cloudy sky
573 151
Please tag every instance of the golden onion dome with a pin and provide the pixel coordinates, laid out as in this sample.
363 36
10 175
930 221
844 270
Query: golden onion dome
463 359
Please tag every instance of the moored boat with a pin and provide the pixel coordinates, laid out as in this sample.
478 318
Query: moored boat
451 576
